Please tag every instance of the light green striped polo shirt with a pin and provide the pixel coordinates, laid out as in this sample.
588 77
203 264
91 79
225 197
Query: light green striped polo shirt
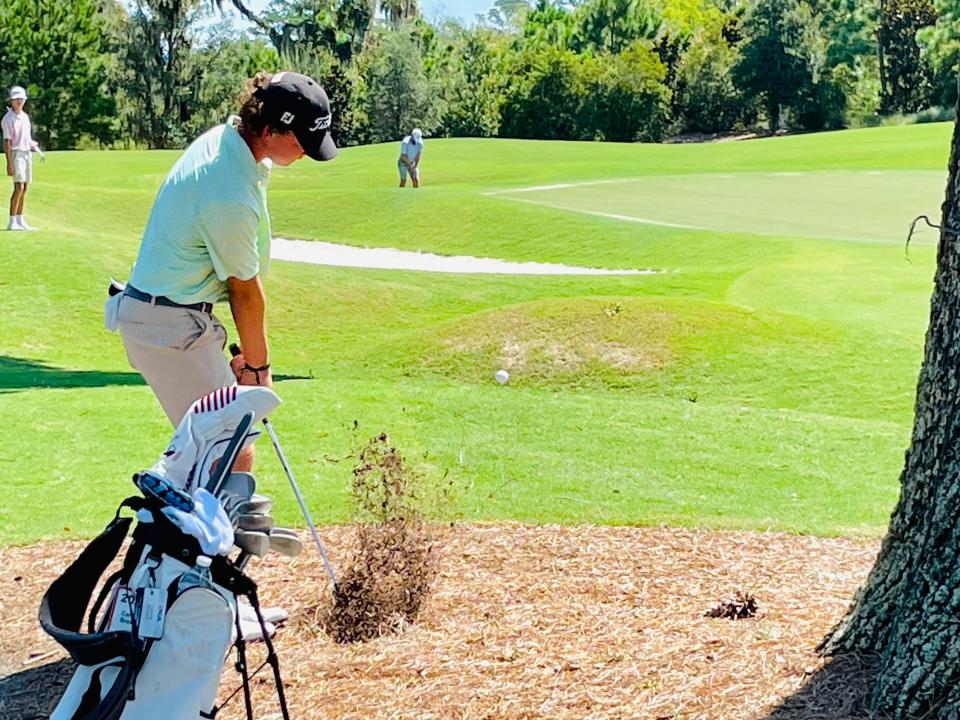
209 222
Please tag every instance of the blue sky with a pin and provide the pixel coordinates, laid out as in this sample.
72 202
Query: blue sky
464 9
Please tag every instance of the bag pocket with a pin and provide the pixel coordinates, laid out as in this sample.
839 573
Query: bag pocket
182 672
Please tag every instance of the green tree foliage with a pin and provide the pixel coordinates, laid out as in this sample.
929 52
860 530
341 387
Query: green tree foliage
476 85
508 15
548 25
850 28
160 73
53 48
905 78
781 66
613 25
707 98
623 97
122 71
561 95
544 99
298 26
399 94
399 11
940 44
227 61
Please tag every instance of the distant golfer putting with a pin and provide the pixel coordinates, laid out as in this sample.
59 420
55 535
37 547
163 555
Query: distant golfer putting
208 240
411 150
18 144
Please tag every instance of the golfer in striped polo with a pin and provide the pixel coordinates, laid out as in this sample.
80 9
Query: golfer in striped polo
208 240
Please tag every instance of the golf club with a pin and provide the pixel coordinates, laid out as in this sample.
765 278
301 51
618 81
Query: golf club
256 504
255 521
219 478
235 350
252 542
285 542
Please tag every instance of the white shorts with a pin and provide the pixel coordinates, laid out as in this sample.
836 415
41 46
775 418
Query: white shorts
22 166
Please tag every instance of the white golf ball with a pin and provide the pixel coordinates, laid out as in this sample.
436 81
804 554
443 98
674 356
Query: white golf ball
502 376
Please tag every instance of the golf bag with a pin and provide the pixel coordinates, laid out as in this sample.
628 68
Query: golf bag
159 630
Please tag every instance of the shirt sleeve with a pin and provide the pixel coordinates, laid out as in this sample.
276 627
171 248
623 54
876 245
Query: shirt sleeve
7 125
230 233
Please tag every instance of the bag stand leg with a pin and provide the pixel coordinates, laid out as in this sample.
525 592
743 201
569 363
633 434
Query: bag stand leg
242 666
271 654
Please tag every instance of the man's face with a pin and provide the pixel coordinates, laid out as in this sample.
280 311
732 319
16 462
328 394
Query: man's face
17 105
283 149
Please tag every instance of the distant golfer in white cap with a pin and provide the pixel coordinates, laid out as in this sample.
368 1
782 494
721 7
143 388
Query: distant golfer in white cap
411 150
208 241
18 143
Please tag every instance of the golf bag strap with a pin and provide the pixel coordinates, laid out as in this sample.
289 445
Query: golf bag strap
111 707
65 603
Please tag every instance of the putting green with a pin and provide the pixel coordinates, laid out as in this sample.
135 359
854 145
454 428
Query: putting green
866 205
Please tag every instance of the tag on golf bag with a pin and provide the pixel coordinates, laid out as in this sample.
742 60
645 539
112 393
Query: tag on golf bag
181 673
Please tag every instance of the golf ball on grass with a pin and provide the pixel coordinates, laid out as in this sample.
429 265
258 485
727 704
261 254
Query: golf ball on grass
502 376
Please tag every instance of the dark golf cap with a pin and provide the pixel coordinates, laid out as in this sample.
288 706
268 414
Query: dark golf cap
298 102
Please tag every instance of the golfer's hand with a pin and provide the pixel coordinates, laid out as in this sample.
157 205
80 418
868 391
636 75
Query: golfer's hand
236 365
10 170
245 376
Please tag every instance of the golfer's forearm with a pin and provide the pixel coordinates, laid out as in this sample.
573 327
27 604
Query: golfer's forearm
248 303
8 151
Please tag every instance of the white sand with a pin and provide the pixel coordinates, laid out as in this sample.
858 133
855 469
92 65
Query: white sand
324 253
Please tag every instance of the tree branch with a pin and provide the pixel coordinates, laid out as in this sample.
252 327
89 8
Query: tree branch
243 10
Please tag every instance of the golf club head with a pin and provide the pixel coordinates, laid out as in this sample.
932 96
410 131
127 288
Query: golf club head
238 484
255 521
158 488
285 542
256 504
252 542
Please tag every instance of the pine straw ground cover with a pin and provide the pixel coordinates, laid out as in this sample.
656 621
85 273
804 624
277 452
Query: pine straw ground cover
528 622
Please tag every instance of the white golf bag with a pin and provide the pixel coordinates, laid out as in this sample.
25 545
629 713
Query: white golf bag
156 638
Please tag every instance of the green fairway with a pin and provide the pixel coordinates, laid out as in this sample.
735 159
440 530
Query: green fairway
764 378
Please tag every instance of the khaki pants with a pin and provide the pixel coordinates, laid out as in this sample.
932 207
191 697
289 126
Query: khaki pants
178 351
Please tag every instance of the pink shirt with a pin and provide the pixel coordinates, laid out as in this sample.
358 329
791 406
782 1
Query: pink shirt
16 129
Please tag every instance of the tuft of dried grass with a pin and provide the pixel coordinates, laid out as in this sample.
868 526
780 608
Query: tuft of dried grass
393 563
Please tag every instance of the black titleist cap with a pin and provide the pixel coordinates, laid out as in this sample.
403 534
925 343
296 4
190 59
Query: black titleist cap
298 102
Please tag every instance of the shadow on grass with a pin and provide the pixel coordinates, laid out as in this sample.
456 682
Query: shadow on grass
32 694
17 374
840 690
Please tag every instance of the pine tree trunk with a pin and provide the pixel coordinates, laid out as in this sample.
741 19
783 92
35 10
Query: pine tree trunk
908 612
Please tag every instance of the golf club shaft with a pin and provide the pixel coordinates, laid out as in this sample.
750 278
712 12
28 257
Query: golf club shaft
303 506
234 351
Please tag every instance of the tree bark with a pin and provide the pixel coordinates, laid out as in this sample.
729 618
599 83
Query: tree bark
908 612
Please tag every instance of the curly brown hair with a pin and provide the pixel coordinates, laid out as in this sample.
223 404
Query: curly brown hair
253 119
